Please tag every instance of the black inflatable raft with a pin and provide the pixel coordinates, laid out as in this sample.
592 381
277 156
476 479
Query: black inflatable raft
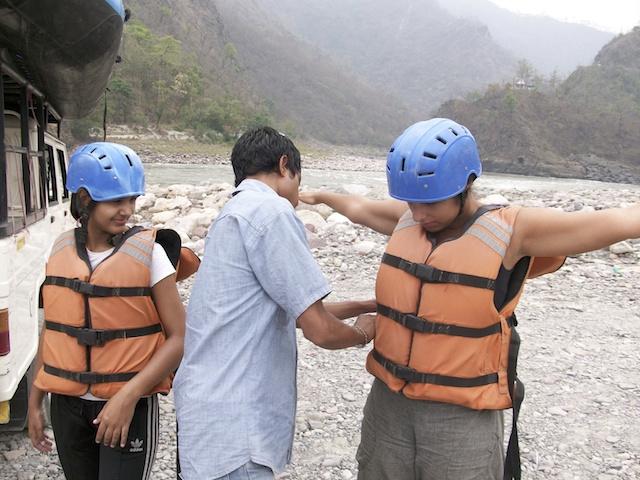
65 48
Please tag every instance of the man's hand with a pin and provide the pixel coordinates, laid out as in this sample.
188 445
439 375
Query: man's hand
311 198
327 331
367 323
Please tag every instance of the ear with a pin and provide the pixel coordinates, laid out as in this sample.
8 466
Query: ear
283 166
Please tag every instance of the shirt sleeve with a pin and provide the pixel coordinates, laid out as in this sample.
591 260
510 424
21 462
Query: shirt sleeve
282 262
161 266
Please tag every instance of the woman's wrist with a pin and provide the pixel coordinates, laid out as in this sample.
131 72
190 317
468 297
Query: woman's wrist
35 397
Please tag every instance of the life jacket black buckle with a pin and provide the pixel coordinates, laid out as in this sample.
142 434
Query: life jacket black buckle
79 286
429 274
409 267
402 372
89 337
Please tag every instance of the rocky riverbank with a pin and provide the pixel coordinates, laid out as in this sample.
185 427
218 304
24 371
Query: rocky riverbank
580 329
336 159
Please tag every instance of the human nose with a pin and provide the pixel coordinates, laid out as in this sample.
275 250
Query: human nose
419 212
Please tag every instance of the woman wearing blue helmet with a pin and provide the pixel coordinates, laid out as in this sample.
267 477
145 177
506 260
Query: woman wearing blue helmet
445 350
114 326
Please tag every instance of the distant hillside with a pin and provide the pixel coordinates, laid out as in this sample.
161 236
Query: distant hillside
588 128
308 88
225 65
413 49
550 45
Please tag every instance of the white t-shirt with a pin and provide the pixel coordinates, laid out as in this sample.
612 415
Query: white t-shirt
161 268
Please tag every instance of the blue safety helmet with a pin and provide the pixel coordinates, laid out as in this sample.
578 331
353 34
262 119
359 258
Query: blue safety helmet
432 161
108 171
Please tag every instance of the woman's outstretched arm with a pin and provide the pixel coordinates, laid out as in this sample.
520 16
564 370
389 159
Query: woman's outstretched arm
546 232
379 215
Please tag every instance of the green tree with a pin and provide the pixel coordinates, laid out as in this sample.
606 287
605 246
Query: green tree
510 101
525 71
121 96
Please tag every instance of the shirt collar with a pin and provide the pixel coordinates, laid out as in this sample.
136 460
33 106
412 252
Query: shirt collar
253 185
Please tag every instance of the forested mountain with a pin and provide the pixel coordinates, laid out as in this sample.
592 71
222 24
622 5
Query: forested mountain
548 44
359 71
415 49
220 66
589 127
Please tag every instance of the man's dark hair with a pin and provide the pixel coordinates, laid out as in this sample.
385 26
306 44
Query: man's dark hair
259 150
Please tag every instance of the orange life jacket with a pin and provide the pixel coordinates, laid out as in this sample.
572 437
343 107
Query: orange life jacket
102 326
439 335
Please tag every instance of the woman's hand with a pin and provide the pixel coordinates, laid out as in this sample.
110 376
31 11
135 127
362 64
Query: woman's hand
379 215
39 439
114 419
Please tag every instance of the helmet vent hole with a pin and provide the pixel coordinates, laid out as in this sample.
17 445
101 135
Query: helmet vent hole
402 166
93 150
430 155
101 157
392 149
388 168
453 131
129 160
441 140
426 174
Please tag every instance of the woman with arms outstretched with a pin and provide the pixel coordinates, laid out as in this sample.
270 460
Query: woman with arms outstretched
446 346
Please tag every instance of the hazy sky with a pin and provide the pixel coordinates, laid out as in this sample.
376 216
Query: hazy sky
618 16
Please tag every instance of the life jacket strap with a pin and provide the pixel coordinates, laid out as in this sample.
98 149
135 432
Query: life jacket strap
419 324
90 337
512 466
413 376
90 290
429 274
89 378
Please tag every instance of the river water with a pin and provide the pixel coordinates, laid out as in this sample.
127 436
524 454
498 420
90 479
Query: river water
169 174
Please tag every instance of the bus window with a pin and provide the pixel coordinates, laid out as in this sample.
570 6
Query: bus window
63 173
35 178
52 181
26 177
15 192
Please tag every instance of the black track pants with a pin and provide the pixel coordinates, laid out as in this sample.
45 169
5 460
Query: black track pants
83 459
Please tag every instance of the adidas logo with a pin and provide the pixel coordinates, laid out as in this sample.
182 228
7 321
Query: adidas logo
136 446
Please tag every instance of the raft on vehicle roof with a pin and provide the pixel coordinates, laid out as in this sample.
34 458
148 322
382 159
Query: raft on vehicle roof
65 49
